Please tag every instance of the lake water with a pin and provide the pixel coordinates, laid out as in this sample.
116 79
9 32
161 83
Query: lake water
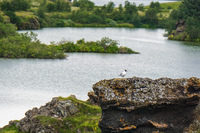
28 83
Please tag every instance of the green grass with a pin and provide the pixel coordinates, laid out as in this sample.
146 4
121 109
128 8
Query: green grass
170 5
166 8
86 119
46 121
10 129
24 13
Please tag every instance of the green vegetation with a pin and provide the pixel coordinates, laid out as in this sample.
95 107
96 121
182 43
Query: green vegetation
106 45
10 129
188 15
82 13
15 5
15 45
86 120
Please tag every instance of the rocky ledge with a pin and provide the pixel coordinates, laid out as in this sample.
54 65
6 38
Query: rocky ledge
143 105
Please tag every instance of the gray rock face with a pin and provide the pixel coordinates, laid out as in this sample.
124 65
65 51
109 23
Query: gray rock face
144 105
55 109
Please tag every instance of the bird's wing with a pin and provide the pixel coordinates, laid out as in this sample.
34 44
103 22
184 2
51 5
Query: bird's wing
123 74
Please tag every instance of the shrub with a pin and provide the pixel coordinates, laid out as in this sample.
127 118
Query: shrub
7 30
141 7
111 22
69 23
51 7
169 7
1 18
13 17
151 16
27 46
93 18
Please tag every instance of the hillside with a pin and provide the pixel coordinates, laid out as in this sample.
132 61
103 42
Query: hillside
36 14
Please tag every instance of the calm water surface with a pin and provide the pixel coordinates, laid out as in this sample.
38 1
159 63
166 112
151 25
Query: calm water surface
28 83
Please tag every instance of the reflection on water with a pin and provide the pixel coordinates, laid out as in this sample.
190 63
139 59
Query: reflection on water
26 83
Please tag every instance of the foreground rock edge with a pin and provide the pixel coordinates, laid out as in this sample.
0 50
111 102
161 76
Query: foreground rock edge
145 105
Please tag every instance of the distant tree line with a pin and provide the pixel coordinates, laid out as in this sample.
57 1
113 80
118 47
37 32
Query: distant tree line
108 14
58 5
15 5
86 13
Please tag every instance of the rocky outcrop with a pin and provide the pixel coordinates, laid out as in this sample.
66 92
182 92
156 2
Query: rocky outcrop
179 33
143 105
180 26
32 23
55 109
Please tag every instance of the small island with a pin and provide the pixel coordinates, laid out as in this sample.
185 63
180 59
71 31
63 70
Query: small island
105 45
26 45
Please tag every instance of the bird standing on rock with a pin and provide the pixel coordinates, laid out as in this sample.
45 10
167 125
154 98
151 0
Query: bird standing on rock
123 73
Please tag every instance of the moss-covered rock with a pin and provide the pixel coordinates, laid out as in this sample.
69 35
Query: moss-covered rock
61 115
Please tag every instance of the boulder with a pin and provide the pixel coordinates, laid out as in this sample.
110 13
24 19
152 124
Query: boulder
54 109
143 105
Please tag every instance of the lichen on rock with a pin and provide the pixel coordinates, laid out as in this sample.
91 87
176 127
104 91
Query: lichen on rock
142 104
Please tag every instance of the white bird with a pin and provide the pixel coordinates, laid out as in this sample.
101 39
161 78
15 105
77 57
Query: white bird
123 73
